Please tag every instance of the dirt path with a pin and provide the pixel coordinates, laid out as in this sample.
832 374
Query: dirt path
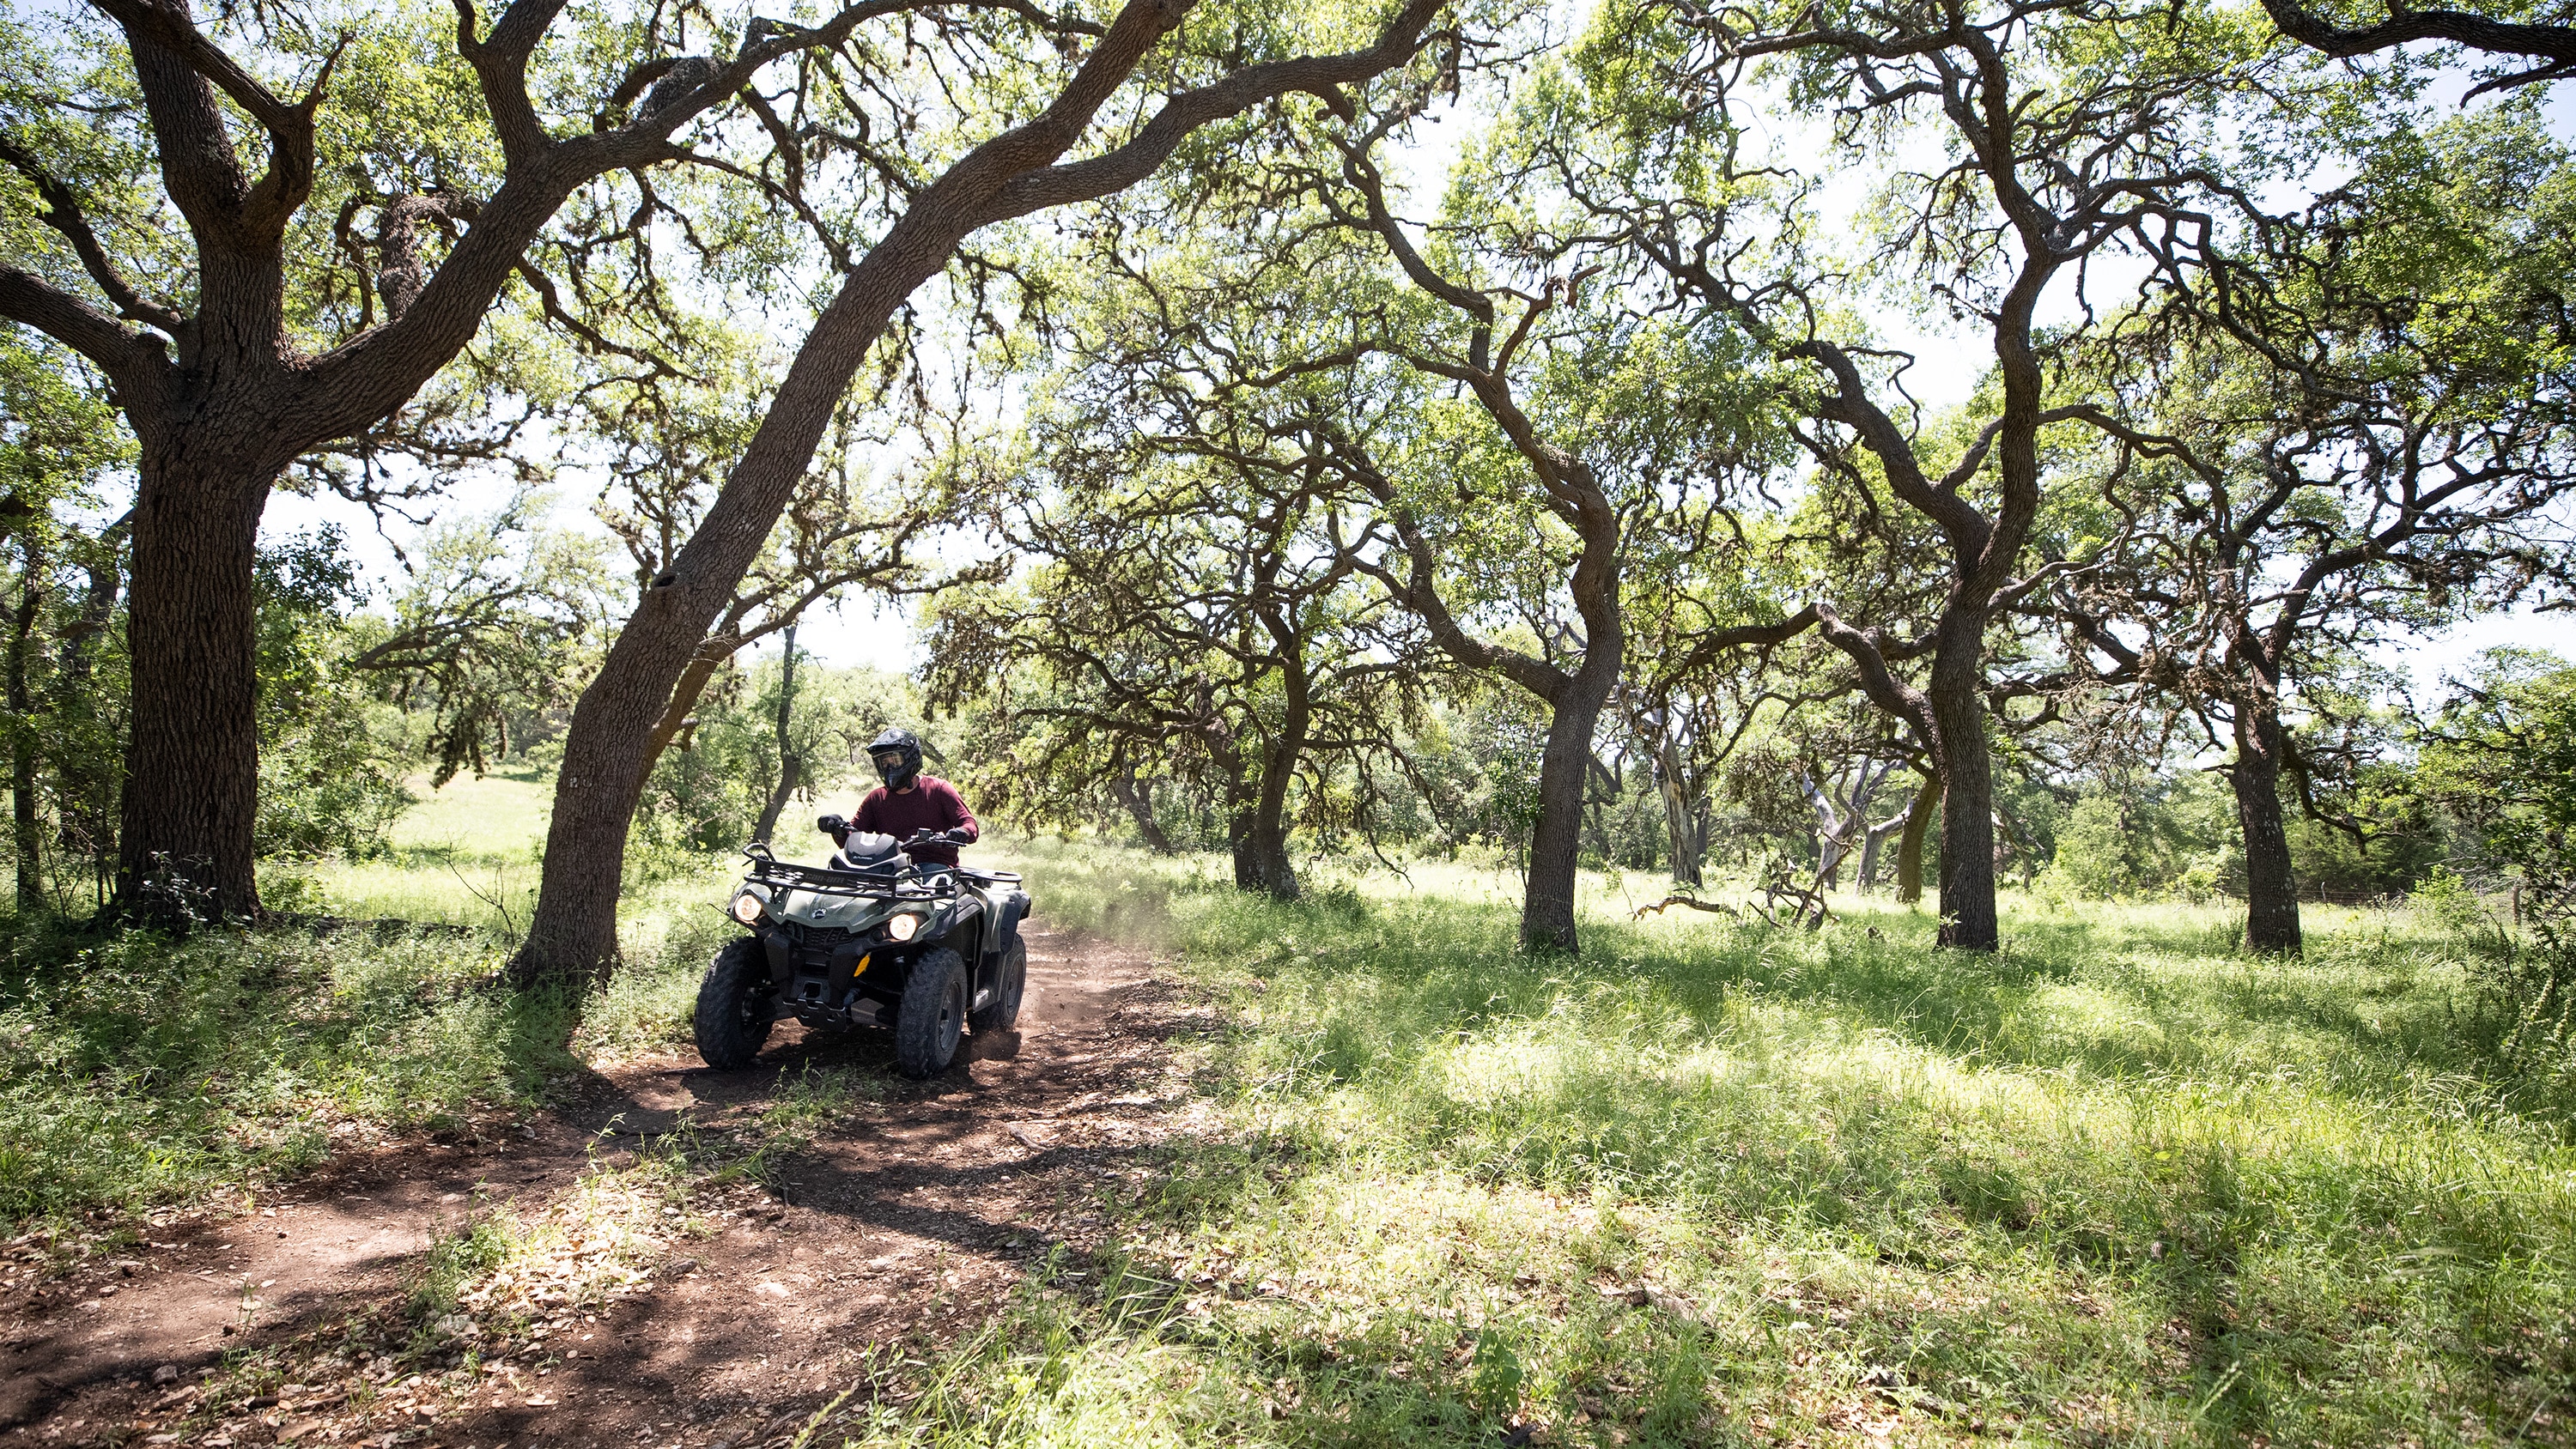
915 1216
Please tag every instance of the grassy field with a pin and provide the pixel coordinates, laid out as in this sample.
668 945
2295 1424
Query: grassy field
1717 1185
1709 1184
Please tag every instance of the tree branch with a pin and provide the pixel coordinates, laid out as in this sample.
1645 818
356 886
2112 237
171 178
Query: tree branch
63 213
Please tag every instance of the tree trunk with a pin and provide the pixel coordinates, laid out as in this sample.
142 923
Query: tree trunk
1830 825
24 826
1138 801
2271 886
789 766
184 847
1681 822
1968 918
1909 844
1261 861
1565 767
1874 843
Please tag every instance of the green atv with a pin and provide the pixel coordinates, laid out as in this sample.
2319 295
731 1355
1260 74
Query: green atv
871 939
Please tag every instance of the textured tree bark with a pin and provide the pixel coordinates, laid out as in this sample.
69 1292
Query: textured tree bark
2271 884
1681 821
184 839
23 818
1909 845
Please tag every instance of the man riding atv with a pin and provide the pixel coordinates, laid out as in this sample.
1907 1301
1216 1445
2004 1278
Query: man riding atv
911 805
891 932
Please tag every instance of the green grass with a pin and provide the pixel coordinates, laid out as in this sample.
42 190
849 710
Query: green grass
1712 1184
1708 1184
138 1071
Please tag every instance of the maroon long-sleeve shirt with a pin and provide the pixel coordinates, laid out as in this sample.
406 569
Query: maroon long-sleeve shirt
931 804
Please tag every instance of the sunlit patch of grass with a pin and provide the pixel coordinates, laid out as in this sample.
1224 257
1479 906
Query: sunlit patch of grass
1713 1184
501 813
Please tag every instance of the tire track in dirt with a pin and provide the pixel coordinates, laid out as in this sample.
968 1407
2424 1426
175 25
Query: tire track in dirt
913 1218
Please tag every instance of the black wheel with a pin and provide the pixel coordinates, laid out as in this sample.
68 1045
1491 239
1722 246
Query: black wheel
733 1006
933 1015
1010 984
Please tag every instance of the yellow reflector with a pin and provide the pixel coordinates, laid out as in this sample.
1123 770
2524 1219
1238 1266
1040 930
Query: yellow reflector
862 967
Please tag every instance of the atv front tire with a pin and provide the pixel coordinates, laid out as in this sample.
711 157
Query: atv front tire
733 1006
1010 984
932 1016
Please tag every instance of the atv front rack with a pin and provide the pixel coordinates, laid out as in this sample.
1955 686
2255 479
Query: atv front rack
887 885
874 883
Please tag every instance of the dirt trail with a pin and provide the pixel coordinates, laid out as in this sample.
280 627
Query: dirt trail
914 1216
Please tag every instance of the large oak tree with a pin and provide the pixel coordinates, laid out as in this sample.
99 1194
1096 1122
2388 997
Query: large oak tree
162 227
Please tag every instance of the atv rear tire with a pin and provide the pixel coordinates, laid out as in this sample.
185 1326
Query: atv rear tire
733 1006
933 1015
1011 983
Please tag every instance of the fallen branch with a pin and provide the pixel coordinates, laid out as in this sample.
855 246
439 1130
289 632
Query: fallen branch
1694 902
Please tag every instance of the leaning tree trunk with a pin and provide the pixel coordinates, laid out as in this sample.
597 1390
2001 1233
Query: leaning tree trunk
1968 916
184 842
1565 767
1909 843
2271 885
572 937
1138 801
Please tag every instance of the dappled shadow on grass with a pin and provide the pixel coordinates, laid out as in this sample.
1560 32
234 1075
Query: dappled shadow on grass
2256 1160
138 1070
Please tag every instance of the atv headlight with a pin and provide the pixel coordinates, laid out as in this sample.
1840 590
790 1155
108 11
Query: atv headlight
901 927
748 906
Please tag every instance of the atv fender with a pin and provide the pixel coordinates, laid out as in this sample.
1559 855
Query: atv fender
1006 926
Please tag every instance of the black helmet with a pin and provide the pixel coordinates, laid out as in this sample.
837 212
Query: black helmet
897 754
